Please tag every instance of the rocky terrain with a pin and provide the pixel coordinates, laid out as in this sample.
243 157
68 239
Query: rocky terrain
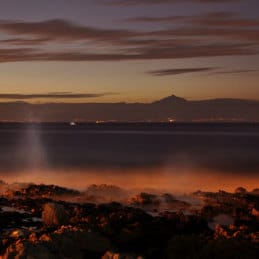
47 221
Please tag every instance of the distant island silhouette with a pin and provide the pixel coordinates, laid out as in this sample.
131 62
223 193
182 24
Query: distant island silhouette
168 109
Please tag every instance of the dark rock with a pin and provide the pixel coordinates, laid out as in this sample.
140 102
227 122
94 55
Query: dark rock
112 255
104 193
54 214
240 190
144 199
45 191
255 191
66 242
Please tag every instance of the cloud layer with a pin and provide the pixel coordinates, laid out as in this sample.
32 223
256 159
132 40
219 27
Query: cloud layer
58 95
177 71
61 30
154 2
240 71
208 34
210 19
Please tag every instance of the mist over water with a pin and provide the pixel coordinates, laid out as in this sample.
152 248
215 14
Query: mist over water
30 151
179 158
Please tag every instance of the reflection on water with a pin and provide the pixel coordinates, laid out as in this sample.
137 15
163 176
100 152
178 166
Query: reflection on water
30 152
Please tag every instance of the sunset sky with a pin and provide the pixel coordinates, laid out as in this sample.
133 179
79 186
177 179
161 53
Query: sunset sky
128 50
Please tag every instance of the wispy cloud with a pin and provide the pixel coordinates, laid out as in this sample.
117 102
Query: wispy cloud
57 95
182 41
215 71
222 19
138 53
156 19
154 2
210 19
241 71
234 34
25 41
177 71
62 30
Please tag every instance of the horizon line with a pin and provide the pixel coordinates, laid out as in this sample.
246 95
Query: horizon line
19 101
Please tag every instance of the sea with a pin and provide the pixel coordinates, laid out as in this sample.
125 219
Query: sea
176 157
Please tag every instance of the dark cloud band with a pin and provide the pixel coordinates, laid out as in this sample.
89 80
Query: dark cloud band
62 30
154 2
210 35
61 95
141 53
178 71
241 71
211 19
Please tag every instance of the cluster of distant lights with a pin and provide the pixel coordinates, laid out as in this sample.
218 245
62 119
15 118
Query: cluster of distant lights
73 123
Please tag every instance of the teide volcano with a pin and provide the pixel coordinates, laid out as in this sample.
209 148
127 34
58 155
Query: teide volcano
178 108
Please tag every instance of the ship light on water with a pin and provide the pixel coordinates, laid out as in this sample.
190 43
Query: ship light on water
72 123
171 120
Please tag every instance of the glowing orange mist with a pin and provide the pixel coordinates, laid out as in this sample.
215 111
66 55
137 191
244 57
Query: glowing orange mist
169 179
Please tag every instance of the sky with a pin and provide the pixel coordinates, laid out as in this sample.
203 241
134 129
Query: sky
128 50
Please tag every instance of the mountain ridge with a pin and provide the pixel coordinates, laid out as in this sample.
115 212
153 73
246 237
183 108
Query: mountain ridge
167 99
170 108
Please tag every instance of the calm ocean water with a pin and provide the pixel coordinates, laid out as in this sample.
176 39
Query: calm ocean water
145 154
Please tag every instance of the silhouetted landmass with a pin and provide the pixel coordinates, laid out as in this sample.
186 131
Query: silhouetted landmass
170 108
